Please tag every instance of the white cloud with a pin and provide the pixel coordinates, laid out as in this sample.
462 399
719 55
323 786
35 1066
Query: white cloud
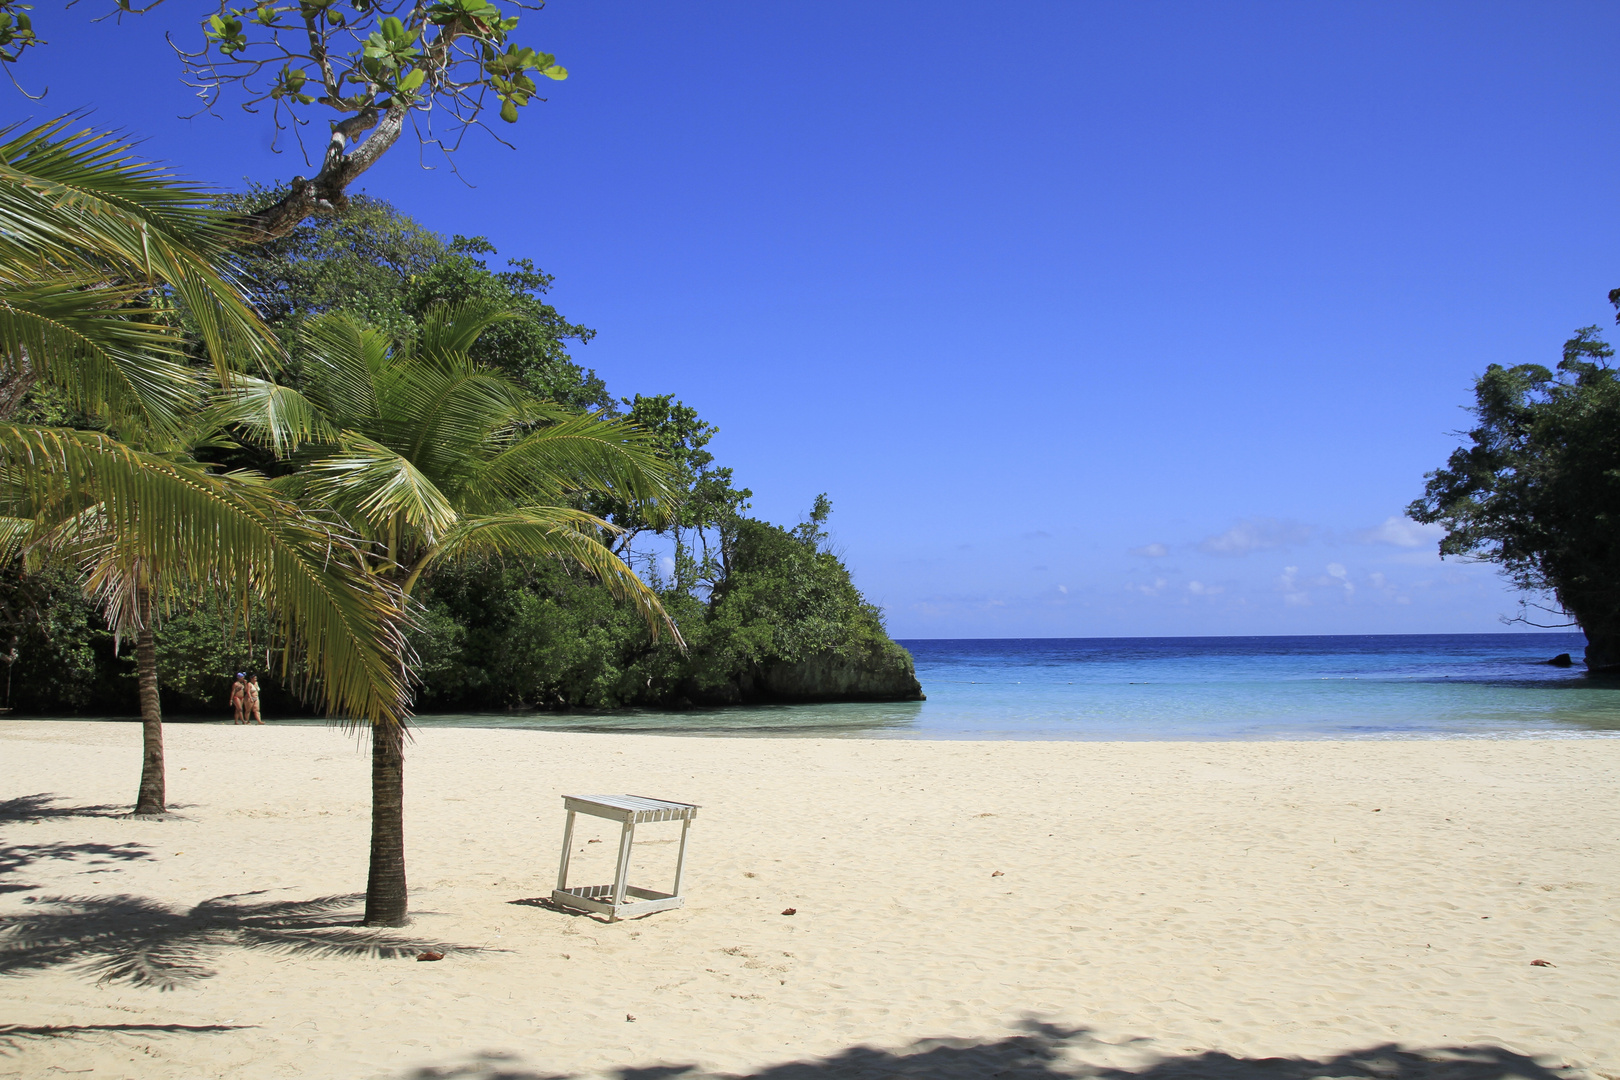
1149 590
1288 582
1255 534
1064 589
1400 532
1151 551
1198 588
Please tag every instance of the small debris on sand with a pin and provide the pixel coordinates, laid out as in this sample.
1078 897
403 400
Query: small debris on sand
430 955
790 911
1542 963
998 873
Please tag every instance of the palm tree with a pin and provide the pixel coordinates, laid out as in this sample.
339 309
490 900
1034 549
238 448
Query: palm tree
93 245
426 456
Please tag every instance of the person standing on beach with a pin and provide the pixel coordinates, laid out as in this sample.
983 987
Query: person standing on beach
239 696
252 697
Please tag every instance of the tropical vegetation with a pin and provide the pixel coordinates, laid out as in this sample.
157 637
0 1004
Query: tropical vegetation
110 282
358 457
1537 489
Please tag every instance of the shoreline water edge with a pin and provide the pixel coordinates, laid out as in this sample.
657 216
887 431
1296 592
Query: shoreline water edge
1349 687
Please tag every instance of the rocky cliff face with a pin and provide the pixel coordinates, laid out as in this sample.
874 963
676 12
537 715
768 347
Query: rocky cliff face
882 671
877 674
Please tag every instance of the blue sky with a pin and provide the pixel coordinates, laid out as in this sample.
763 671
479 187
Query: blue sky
1092 319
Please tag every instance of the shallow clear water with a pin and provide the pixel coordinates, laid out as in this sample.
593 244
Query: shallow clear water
1394 686
1491 685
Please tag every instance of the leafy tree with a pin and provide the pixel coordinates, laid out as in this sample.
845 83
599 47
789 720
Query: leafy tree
1538 489
356 71
387 270
52 638
786 599
430 457
703 506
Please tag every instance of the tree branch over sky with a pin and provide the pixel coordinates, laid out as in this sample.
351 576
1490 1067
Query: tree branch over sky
363 69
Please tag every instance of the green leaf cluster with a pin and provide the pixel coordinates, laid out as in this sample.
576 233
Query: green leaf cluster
16 30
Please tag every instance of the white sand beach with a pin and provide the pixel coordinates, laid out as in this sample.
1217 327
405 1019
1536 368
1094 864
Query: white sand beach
962 909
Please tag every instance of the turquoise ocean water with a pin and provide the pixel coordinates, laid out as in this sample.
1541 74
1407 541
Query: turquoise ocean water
1395 686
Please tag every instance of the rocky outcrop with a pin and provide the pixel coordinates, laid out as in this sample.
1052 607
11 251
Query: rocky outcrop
882 672
879 671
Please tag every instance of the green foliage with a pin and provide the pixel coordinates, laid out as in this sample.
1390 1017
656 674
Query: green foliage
785 598
362 56
59 650
97 252
414 428
1538 489
379 265
96 247
16 30
562 642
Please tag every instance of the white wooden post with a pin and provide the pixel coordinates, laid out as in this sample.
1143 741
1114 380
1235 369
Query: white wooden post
627 837
680 860
568 847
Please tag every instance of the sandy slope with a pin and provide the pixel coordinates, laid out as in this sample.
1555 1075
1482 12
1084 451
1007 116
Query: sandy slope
1183 909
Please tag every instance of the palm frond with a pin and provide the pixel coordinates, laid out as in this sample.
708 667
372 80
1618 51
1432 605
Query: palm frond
89 339
560 533
15 534
450 330
368 478
240 537
344 357
270 414
580 453
82 201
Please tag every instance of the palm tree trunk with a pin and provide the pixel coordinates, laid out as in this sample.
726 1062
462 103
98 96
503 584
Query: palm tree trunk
386 899
152 798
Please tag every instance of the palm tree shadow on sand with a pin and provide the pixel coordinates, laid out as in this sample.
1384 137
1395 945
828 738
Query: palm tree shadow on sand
144 942
1046 1052
16 857
43 807
16 1036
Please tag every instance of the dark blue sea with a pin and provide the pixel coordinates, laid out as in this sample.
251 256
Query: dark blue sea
1386 686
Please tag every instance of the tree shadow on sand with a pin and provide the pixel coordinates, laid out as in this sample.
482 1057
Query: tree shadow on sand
15 1036
1045 1052
145 942
14 857
42 807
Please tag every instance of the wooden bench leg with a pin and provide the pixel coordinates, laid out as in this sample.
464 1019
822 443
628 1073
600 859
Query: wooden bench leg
680 860
568 846
621 878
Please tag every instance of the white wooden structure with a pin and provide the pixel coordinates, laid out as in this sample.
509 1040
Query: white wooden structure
630 810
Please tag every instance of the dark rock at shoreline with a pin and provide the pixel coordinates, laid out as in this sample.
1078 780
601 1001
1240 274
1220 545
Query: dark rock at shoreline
1562 660
880 671
883 672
